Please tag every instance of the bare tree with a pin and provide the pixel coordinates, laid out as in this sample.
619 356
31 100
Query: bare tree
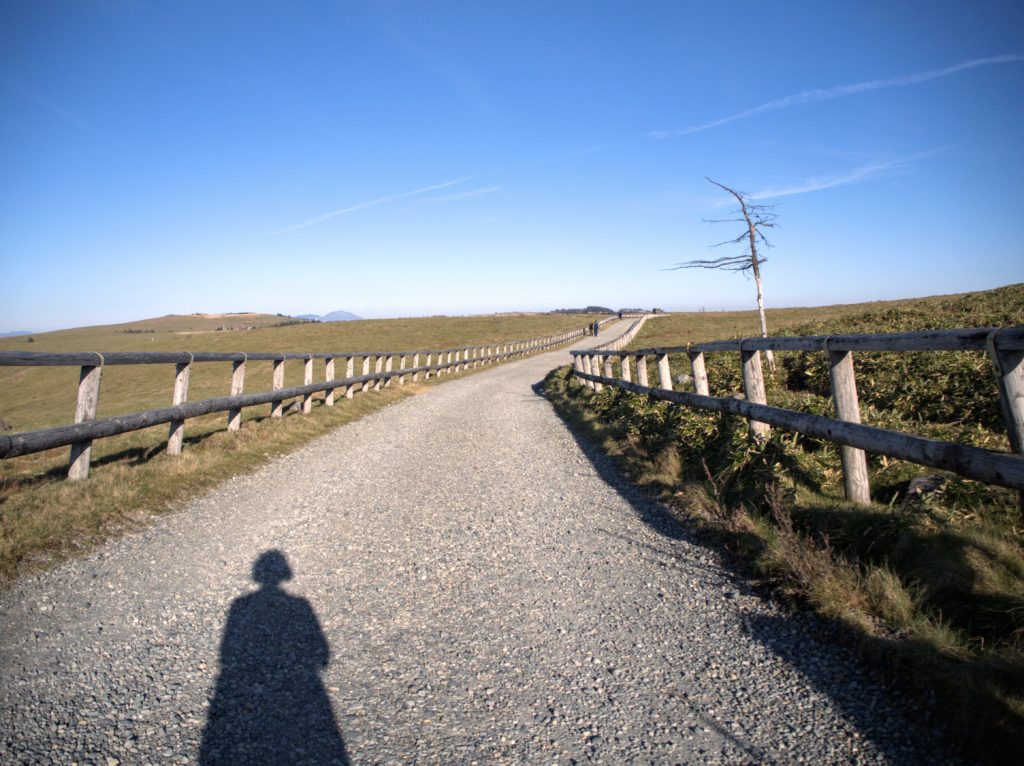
755 218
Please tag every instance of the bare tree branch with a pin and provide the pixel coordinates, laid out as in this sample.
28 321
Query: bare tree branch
754 219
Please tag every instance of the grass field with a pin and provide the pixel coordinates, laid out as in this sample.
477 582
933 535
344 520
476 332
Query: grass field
702 326
38 397
931 585
44 518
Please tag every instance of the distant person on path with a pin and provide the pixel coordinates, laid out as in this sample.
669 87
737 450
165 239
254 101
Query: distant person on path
596 326
269 705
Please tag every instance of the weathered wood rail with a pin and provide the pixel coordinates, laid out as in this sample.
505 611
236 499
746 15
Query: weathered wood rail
1005 347
377 369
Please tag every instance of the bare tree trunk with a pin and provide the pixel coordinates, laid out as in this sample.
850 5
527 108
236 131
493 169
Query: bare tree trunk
757 281
757 217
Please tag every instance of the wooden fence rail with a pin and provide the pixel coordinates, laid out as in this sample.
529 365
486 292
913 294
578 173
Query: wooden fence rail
1005 347
87 428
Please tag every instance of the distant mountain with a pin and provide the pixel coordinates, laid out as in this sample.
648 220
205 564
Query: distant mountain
12 333
334 316
587 310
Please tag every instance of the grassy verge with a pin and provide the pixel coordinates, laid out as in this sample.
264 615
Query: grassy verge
44 518
929 581
924 593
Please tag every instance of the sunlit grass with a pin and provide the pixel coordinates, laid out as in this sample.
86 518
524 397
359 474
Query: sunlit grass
44 518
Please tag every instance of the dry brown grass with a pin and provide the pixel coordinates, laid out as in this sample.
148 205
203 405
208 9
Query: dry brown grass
44 518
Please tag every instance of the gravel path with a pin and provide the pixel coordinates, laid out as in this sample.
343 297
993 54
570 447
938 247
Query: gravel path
467 585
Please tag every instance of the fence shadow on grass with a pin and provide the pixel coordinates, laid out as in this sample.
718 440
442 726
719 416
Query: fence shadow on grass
769 631
269 704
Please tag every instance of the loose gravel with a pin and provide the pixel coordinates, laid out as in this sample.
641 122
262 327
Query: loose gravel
450 580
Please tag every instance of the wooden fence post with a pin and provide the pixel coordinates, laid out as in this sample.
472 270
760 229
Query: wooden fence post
389 364
596 370
608 371
350 372
664 373
844 394
176 436
329 375
700 373
430 361
401 366
88 400
1009 368
237 388
641 370
624 366
753 389
586 369
378 368
366 371
307 378
277 406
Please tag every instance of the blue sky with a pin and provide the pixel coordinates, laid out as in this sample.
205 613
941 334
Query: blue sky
408 158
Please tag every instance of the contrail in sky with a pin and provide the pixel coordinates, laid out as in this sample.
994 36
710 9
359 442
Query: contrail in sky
368 204
464 195
57 109
817 184
826 94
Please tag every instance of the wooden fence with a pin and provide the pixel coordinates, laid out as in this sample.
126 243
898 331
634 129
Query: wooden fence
627 337
1005 347
377 370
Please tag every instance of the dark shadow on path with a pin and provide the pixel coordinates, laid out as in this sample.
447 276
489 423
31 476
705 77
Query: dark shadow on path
800 640
269 705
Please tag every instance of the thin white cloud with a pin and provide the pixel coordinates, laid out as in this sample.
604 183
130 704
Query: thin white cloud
826 94
368 204
463 195
57 109
818 183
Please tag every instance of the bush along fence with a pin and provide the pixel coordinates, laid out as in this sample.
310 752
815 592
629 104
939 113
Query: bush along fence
377 370
1005 347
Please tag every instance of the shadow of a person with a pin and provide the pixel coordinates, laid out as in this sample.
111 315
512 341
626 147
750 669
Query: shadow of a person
269 704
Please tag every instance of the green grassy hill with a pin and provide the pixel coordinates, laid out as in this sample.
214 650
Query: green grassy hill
1002 306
